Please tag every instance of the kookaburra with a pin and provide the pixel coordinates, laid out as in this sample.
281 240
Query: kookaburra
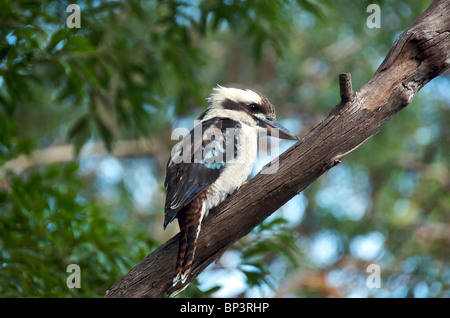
214 160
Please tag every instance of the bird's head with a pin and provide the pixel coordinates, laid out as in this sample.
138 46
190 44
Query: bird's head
245 106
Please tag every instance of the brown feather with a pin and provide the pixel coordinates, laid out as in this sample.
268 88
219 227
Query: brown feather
189 222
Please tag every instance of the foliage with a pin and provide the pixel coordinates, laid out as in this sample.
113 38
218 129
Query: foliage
137 69
46 225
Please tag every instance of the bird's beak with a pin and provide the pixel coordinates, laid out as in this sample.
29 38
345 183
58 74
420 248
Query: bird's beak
283 132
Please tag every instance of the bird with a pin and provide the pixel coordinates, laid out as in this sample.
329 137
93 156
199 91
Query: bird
213 160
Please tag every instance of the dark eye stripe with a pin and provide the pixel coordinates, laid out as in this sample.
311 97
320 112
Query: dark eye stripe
231 105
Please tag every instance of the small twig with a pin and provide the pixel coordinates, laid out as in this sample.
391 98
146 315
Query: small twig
345 84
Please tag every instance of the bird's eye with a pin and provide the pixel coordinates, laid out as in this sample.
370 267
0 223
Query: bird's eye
253 107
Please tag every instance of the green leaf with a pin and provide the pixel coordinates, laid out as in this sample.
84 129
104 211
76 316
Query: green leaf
57 37
77 44
105 133
79 133
312 8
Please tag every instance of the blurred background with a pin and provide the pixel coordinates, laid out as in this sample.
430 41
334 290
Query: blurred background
86 116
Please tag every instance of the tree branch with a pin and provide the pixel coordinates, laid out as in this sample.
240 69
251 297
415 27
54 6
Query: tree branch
66 153
419 54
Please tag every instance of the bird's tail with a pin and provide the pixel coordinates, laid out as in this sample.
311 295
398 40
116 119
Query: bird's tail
190 223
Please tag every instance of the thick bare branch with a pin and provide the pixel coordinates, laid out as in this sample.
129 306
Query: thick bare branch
420 54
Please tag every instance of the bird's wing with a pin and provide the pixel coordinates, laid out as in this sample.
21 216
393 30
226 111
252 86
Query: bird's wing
207 159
